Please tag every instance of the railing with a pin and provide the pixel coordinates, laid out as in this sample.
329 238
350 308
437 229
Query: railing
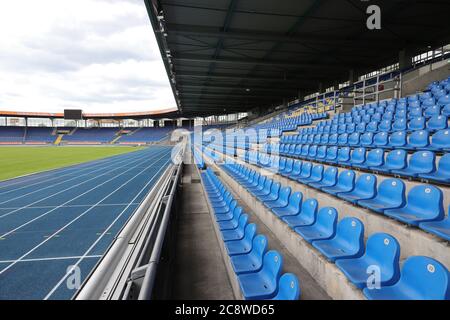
128 270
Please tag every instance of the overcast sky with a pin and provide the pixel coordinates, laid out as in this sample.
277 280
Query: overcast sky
97 55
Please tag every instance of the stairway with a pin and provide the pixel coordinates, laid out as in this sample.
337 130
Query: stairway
58 140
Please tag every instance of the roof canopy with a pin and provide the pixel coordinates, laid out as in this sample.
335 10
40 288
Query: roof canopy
228 55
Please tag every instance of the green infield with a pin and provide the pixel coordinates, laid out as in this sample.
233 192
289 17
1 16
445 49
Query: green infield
18 161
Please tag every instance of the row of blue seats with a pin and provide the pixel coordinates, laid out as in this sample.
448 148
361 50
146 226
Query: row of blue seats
418 123
198 159
416 140
343 243
420 165
423 206
392 112
258 270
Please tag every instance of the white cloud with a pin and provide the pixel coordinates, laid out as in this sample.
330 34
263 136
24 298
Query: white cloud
98 55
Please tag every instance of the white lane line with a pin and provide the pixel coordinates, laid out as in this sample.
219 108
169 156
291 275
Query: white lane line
86 254
65 203
71 206
90 167
74 168
50 259
62 182
72 221
74 186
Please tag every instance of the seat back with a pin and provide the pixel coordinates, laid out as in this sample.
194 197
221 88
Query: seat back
353 139
367 139
295 201
419 139
366 185
381 139
441 139
259 247
250 233
425 278
268 185
397 139
438 122
306 169
444 165
396 159
350 230
275 189
317 172
327 220
427 200
237 212
285 192
422 161
383 250
346 179
272 265
309 210
297 168
330 176
392 191
343 139
288 288
322 152
375 157
332 153
416 123
358 155
243 220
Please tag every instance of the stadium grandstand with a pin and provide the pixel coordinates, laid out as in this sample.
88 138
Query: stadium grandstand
307 159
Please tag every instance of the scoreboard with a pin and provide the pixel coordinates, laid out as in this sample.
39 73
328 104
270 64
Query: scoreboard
73 114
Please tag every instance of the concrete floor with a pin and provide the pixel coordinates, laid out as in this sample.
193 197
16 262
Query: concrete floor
199 271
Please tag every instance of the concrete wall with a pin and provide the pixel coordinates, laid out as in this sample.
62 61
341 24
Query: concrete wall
417 80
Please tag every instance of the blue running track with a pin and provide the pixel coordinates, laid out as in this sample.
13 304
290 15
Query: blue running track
68 217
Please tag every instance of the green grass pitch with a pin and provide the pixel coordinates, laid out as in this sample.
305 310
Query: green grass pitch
18 161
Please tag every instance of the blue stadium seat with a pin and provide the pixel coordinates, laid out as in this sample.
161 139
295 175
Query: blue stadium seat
442 174
367 139
264 283
397 139
288 288
436 123
324 227
306 171
353 139
381 258
416 124
343 139
321 153
346 244
395 160
375 158
440 228
273 195
346 182
296 170
239 232
418 140
440 141
281 201
343 155
421 278
419 163
432 111
233 223
424 203
446 110
243 246
293 207
381 139
307 215
252 261
358 156
288 168
390 195
365 188
331 154
316 175
399 124
329 179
